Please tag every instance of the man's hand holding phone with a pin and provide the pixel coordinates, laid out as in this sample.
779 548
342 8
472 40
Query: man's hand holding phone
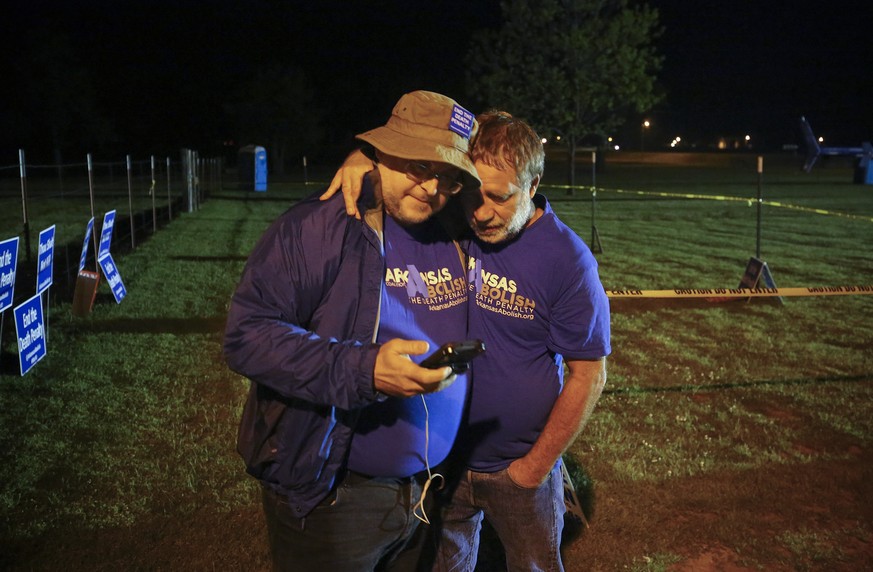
456 355
398 376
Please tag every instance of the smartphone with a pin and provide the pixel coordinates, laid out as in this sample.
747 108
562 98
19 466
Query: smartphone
458 355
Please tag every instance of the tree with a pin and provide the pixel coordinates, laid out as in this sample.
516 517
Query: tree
60 101
575 67
278 109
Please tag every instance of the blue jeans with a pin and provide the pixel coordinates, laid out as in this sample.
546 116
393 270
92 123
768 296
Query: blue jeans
529 522
363 522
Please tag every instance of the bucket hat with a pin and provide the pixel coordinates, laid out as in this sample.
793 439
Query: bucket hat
428 126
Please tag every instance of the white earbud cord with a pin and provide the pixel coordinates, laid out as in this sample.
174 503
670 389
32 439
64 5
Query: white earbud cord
419 507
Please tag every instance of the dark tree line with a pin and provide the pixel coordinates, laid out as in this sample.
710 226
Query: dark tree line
301 77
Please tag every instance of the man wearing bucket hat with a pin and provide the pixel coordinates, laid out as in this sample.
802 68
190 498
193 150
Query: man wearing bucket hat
537 302
329 320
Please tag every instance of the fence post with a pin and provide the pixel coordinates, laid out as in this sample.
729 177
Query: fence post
593 195
760 195
197 188
91 193
169 194
130 205
596 247
152 193
189 177
23 171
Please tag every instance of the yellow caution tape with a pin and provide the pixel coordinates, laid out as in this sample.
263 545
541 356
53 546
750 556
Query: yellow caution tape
817 211
743 292
750 201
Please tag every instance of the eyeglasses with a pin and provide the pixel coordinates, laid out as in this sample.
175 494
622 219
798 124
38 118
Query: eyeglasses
420 173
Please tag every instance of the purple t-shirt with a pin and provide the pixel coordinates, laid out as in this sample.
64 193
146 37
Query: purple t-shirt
424 297
534 301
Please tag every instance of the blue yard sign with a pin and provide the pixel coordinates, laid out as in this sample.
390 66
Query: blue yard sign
84 255
44 260
30 332
106 234
104 259
8 260
113 278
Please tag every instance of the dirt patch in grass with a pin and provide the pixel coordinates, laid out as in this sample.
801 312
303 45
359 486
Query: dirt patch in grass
736 521
812 516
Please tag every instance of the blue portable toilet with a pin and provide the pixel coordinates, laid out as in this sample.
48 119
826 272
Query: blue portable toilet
260 169
864 168
253 167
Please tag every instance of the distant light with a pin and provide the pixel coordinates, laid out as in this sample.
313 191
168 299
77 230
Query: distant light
617 147
821 139
545 140
609 139
558 138
678 139
748 137
646 123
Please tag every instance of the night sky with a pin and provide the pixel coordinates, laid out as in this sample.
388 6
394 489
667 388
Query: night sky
163 73
751 67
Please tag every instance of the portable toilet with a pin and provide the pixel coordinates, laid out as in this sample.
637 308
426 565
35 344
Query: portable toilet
253 168
864 167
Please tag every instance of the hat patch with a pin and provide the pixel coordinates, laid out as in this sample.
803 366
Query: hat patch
461 121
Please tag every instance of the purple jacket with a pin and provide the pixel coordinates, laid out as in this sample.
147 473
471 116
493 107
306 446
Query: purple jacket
301 327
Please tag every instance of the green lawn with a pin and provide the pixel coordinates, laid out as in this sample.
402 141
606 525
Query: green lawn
132 416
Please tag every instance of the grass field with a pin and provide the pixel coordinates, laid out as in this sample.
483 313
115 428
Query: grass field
732 436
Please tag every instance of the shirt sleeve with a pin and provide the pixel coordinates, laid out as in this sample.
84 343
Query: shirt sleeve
579 319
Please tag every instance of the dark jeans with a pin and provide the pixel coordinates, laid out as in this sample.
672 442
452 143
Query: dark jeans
529 522
364 522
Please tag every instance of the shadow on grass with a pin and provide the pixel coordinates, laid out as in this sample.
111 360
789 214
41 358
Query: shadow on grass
236 258
181 326
9 365
740 384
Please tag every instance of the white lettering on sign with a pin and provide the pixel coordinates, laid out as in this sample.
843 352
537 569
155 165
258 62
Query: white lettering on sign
46 246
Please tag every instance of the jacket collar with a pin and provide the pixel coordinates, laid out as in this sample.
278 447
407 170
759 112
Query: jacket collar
370 204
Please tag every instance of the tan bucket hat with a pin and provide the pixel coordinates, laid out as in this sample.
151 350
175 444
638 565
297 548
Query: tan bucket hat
427 126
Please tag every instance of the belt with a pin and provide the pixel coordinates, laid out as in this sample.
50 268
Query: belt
353 477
